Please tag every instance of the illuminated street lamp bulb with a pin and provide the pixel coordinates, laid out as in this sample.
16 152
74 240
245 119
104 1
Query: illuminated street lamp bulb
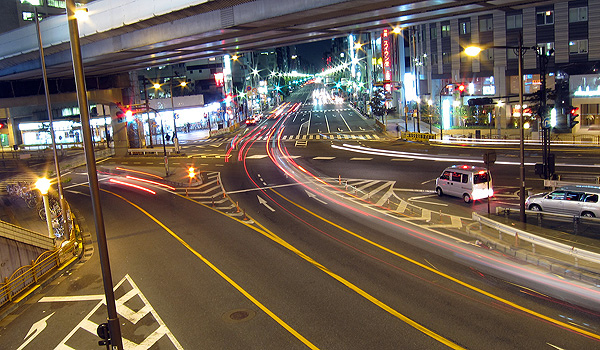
43 185
191 172
397 30
156 85
183 83
81 13
526 125
472 51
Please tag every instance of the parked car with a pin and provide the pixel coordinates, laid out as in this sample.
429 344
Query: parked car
465 181
576 200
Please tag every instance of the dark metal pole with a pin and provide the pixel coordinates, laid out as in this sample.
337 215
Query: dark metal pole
148 112
61 198
113 319
522 216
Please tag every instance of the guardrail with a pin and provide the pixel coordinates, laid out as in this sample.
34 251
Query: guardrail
541 241
48 262
144 151
556 216
561 183
29 275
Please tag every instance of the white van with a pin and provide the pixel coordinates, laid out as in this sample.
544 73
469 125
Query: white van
466 181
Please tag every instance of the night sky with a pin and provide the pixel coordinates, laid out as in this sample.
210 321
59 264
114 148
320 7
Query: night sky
313 52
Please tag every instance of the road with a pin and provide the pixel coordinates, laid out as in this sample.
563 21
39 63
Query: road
288 244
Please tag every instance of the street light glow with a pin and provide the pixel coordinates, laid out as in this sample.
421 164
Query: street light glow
43 185
472 51
156 86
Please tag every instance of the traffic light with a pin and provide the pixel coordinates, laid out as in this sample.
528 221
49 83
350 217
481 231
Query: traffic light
191 172
573 113
3 124
461 89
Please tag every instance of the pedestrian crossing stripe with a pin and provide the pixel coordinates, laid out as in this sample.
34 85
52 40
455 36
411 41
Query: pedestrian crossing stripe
299 137
132 306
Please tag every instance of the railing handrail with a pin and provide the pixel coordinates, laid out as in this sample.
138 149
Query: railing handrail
542 241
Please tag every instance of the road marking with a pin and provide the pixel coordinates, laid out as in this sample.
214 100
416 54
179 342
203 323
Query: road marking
221 273
314 196
134 316
361 158
466 285
401 159
262 201
323 158
257 156
92 297
35 330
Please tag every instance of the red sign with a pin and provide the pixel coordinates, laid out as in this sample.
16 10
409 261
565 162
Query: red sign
219 78
386 54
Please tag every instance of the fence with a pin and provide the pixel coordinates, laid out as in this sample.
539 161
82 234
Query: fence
48 262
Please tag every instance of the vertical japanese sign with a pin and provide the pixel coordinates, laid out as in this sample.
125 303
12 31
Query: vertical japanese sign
386 55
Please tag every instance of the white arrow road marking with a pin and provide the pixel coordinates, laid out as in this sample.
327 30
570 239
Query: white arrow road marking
314 196
264 202
35 330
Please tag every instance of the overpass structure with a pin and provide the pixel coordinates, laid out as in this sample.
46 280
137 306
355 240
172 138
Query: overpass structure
126 35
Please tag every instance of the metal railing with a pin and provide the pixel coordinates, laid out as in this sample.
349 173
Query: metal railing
540 215
48 262
538 240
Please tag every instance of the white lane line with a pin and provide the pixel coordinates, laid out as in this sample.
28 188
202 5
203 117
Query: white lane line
323 158
361 158
91 297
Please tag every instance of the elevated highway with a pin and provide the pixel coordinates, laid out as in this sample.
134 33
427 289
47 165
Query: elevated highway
127 35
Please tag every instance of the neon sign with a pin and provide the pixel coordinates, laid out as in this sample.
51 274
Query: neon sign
387 59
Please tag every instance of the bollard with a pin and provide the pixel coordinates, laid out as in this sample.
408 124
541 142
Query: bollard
237 207
516 240
213 201
575 224
533 248
245 217
539 218
440 216
340 179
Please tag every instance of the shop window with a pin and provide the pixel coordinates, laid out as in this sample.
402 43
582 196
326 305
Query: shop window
590 114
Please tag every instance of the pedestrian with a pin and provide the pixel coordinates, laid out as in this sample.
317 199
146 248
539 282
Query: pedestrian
398 130
168 137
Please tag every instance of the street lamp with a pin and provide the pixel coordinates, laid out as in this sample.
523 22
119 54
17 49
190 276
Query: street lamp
43 185
61 198
114 328
520 50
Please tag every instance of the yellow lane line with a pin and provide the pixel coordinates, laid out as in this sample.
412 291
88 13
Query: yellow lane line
453 279
222 274
267 233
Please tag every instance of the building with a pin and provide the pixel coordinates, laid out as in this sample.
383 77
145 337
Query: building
569 38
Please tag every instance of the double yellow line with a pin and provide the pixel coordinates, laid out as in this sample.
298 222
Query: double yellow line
267 233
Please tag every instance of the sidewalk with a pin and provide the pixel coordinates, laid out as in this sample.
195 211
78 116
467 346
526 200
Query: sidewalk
407 124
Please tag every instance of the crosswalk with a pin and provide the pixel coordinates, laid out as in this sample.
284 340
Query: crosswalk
305 137
381 194
207 189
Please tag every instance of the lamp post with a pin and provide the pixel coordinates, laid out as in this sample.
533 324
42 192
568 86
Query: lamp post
43 185
520 50
114 328
61 198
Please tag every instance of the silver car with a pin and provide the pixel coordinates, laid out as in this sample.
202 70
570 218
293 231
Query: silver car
580 200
